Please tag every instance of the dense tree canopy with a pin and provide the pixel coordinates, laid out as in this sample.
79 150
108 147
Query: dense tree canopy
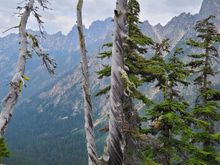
207 104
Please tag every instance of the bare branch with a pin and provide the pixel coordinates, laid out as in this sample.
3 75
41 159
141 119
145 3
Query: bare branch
48 62
18 79
43 3
14 27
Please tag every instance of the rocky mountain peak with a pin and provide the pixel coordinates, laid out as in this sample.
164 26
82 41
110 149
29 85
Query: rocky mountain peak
210 7
180 19
158 26
101 23
176 28
149 30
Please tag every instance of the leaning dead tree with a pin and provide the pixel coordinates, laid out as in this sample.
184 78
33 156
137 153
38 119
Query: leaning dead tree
115 138
89 130
26 42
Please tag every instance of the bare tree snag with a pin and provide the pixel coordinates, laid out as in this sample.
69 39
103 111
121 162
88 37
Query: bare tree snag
115 139
89 130
19 77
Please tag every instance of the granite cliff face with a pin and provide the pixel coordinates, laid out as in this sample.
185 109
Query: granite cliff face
52 109
210 7
176 28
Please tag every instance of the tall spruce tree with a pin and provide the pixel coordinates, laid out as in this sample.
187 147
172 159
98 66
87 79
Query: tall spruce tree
135 62
169 117
207 104
135 49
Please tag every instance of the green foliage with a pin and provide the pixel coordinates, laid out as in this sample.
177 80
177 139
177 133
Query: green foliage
135 62
137 68
136 94
169 118
105 72
207 105
147 158
103 91
135 36
4 152
107 53
48 62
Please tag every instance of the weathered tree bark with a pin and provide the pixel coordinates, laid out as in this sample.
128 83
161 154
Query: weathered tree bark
211 128
91 147
132 152
18 79
14 90
115 139
135 142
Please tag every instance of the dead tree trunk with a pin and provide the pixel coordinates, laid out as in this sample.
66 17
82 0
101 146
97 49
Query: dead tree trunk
18 79
14 90
115 139
89 130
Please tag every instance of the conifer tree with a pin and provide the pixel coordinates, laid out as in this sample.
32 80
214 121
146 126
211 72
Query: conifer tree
207 104
135 62
135 48
168 117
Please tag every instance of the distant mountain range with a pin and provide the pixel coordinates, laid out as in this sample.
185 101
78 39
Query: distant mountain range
47 127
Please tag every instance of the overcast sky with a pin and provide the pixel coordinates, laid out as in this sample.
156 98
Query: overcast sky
63 15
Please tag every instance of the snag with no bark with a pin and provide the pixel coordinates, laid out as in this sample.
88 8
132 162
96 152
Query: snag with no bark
18 80
115 139
91 147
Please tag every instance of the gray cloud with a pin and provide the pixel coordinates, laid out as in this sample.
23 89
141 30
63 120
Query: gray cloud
63 15
163 10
